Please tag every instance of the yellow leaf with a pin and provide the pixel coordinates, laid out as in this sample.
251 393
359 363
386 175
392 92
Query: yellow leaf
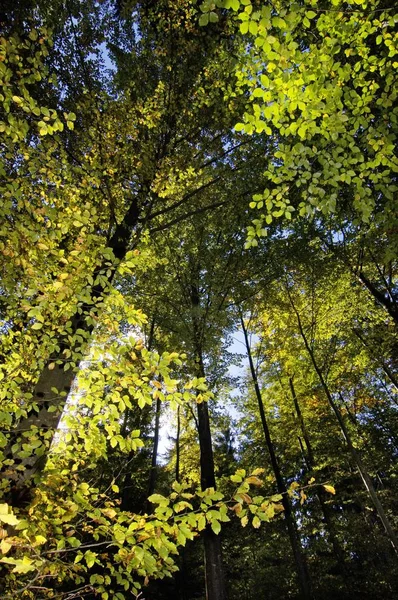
39 540
330 489
256 522
201 522
7 518
258 471
109 512
254 480
5 546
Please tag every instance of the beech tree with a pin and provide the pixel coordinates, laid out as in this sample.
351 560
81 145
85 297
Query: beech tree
162 164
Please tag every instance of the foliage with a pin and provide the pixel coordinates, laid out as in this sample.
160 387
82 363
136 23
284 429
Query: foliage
320 80
136 139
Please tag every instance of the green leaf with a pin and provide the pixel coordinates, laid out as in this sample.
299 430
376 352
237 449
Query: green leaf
216 526
204 19
244 27
158 499
90 557
253 27
234 4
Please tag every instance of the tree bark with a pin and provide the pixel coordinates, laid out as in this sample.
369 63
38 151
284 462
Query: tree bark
214 570
299 559
154 458
127 484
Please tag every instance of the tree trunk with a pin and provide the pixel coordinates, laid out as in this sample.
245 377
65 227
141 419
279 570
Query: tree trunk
179 577
177 473
58 378
391 376
388 304
154 460
367 481
321 494
214 570
299 559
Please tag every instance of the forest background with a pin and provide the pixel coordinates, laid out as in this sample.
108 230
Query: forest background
174 174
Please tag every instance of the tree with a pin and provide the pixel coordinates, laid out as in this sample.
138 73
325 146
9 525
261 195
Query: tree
135 139
131 191
302 572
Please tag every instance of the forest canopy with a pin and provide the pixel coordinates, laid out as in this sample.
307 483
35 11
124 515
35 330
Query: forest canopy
198 300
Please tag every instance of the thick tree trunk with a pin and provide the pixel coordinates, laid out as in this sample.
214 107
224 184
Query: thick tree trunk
215 583
214 570
355 455
299 559
59 378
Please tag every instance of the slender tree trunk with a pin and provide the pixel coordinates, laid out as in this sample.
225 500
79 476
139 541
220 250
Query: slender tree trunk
391 376
390 305
310 461
154 460
367 481
310 453
179 577
126 490
214 570
301 565
178 444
